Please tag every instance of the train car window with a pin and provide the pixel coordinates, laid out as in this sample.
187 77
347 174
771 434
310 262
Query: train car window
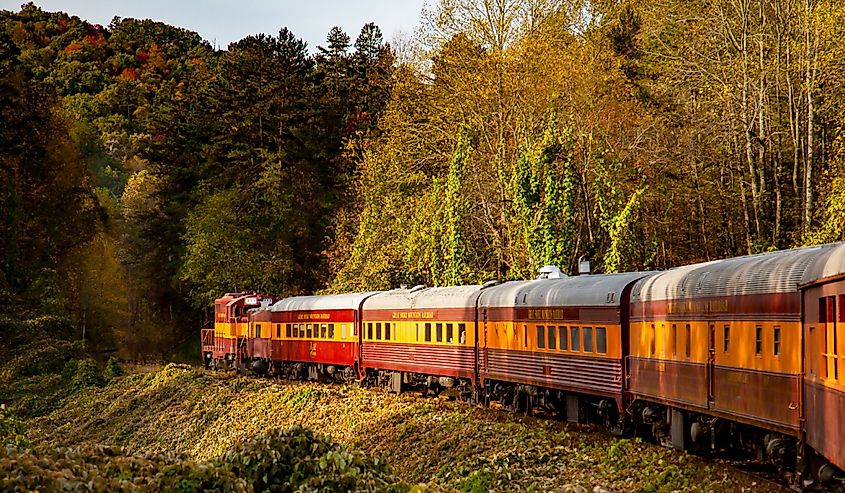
370 331
524 332
541 337
822 310
450 333
688 342
552 337
673 340
343 331
258 330
309 331
813 347
776 348
387 331
324 331
824 344
427 332
378 330
653 340
588 339
462 333
439 332
601 340
575 339
824 371
331 331
278 331
417 328
727 337
287 331
758 340
563 338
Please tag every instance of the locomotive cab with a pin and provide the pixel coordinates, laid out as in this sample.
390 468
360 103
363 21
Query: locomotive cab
224 344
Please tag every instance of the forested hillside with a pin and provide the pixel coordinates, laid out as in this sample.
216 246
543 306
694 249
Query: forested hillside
144 172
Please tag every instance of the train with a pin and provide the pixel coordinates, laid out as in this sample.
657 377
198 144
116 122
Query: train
741 354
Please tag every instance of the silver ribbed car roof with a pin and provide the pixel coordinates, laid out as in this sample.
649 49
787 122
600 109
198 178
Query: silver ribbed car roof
584 290
346 301
832 263
772 272
437 297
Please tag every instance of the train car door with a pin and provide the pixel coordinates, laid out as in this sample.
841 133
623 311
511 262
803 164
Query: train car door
711 362
481 342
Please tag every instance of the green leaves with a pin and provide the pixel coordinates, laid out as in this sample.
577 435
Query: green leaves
458 206
544 189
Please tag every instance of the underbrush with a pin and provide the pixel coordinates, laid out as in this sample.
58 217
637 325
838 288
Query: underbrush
278 461
44 372
443 444
71 423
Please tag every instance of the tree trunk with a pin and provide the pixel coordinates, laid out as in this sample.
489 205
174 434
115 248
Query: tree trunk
809 81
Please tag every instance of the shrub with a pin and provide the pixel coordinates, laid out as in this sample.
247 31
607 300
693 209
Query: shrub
12 430
52 326
87 374
299 460
113 369
280 461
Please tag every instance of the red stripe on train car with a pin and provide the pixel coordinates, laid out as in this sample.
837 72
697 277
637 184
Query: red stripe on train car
784 305
310 351
451 361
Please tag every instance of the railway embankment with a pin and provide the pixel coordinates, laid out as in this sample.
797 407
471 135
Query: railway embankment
69 420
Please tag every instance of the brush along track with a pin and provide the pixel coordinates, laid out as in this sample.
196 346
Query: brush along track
425 440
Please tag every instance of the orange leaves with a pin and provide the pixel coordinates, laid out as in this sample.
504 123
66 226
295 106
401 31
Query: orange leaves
129 73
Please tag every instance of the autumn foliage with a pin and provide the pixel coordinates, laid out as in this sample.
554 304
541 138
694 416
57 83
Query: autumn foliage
498 138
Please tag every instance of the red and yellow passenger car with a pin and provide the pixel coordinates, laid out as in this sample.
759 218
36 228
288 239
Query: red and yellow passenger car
315 336
560 340
823 297
421 338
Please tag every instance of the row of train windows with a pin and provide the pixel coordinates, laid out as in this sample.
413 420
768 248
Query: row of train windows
726 340
443 332
313 331
569 339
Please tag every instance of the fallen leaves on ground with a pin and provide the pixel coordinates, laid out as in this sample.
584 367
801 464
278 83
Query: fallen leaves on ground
445 444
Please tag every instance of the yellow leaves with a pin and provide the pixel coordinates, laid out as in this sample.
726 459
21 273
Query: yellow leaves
140 195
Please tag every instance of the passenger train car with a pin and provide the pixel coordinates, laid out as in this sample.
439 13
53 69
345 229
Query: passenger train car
559 340
742 354
421 338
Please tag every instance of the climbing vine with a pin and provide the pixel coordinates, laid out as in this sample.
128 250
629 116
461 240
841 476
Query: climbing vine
457 208
544 187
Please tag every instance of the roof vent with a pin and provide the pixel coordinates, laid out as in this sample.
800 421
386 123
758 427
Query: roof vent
583 265
550 272
418 287
491 283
